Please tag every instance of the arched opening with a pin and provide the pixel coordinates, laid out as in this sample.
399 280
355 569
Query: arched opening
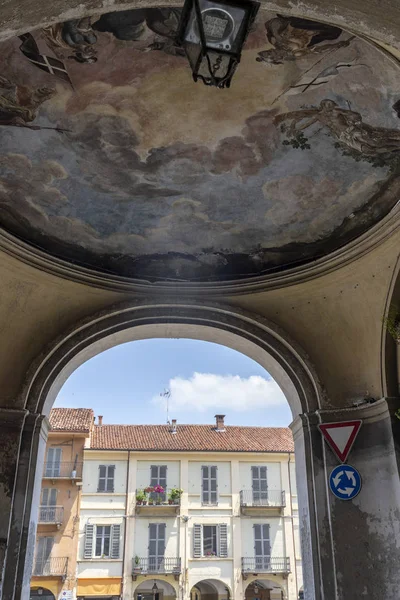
265 589
155 589
259 340
43 593
210 589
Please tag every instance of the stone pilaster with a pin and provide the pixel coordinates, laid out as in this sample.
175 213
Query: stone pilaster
351 544
30 516
11 428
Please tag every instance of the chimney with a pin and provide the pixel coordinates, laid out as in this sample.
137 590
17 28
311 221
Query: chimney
219 422
173 426
100 419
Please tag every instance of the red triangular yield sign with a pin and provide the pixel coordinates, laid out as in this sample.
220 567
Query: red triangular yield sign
341 436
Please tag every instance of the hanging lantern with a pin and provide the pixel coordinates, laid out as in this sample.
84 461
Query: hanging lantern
154 590
213 34
256 590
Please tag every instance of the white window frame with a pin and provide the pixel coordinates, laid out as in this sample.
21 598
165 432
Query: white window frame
53 465
107 478
208 479
103 538
216 540
218 553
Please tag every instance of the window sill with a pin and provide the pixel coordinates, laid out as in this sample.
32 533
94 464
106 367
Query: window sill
216 558
99 559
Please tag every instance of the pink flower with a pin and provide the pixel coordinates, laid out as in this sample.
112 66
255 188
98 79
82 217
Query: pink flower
158 489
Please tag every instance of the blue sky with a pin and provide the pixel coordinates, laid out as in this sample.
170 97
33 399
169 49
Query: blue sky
124 385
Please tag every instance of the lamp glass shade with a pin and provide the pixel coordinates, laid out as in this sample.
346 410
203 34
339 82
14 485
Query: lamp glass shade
212 34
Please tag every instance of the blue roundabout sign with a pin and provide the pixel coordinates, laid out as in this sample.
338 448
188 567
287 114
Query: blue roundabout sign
345 482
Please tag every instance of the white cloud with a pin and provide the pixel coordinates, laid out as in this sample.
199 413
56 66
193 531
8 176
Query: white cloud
203 391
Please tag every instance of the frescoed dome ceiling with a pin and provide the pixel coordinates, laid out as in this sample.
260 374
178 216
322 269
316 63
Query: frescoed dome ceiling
113 158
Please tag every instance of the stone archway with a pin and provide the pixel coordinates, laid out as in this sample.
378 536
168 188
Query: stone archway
42 593
266 343
264 589
259 339
210 589
146 590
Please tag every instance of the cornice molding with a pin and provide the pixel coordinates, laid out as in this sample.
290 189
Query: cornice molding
352 251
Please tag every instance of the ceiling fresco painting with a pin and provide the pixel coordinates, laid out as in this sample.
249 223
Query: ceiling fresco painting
112 158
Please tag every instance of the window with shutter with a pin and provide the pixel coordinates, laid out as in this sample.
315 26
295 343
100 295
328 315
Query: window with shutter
103 541
262 546
158 476
156 545
209 485
259 485
53 462
47 512
88 550
210 540
197 543
223 540
116 535
44 547
106 478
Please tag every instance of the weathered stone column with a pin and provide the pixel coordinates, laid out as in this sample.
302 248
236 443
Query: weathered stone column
27 522
352 545
11 428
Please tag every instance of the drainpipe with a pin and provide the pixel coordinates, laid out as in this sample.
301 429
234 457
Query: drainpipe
293 538
125 525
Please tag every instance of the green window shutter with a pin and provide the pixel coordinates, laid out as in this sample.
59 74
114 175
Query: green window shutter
115 542
88 550
197 541
223 540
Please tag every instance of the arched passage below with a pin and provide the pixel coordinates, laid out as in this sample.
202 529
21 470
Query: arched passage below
265 589
210 589
260 340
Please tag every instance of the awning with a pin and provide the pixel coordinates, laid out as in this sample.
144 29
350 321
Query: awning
110 586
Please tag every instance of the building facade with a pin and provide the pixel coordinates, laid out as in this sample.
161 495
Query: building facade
54 567
189 512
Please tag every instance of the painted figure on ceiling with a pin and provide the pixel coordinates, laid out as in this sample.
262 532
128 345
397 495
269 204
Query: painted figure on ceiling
293 38
19 104
132 25
345 125
76 35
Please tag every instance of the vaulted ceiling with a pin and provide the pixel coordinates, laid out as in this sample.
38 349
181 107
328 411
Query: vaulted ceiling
113 158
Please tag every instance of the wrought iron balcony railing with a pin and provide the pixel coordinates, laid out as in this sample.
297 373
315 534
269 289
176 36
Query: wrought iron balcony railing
154 564
55 566
51 514
267 498
154 498
62 470
265 564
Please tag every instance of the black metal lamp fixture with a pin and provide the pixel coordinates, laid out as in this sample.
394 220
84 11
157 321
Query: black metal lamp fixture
213 34
154 590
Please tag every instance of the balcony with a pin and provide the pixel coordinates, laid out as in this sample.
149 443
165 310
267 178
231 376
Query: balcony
63 470
265 564
53 567
269 502
157 504
156 566
51 515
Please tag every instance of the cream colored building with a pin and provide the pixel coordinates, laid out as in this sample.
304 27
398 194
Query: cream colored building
232 534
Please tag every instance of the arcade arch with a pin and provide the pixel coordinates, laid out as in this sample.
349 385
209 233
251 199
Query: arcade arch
42 593
210 589
265 589
155 589
255 337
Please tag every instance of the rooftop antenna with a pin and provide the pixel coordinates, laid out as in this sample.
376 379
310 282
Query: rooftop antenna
166 394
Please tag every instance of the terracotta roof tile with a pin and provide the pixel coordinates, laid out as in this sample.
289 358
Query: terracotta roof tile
71 419
192 438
